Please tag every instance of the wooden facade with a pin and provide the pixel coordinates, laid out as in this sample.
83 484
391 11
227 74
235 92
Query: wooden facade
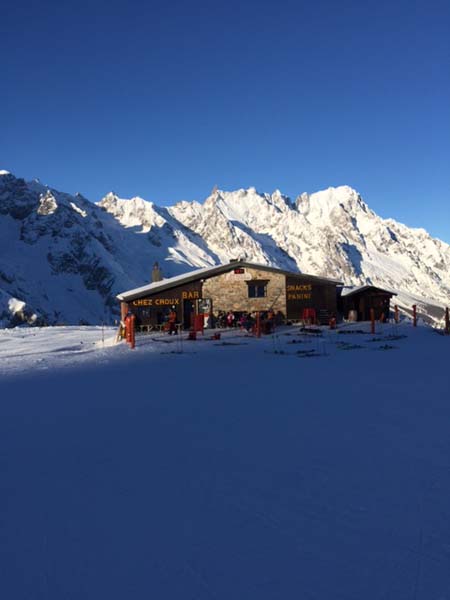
153 309
238 287
310 296
360 301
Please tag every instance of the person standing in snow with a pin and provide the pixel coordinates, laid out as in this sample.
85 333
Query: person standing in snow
230 319
270 321
172 321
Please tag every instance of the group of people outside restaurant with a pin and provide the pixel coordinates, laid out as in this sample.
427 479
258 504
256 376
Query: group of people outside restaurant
248 320
243 320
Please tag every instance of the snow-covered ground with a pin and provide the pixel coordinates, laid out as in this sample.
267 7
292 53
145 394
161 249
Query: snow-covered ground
26 350
289 467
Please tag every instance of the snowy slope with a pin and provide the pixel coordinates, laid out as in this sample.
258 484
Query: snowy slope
67 258
152 474
54 253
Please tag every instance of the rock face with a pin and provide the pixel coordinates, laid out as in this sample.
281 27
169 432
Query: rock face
52 257
63 258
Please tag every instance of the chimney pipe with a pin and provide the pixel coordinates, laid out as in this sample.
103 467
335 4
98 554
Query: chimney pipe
156 273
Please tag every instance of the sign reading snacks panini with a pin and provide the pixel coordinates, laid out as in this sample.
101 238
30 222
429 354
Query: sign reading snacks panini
299 291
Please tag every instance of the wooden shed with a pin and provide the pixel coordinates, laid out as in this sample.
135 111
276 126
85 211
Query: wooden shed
355 302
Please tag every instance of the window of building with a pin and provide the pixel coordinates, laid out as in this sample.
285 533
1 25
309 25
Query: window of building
257 288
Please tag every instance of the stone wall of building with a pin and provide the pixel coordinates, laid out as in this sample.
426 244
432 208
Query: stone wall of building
229 291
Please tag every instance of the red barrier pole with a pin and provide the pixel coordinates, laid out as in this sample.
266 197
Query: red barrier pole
372 320
415 315
258 324
447 322
132 331
127 329
199 323
396 318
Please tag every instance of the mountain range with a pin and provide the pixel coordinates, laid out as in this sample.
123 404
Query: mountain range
63 258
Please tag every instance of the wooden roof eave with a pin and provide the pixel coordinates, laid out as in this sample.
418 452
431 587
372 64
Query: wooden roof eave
208 273
366 288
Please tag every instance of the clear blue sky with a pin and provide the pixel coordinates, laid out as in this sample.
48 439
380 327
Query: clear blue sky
167 99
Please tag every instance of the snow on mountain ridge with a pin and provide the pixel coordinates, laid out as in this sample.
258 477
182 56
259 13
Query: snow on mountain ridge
133 212
67 257
331 233
328 233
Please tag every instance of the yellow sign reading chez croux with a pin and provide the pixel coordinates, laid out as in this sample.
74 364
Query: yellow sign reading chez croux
166 301
156 302
299 291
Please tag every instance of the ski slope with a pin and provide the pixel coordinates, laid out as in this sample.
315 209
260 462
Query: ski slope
287 467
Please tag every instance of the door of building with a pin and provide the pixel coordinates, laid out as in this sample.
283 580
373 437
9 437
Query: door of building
188 313
204 307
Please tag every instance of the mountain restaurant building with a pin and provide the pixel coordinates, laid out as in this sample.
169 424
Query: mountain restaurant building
238 287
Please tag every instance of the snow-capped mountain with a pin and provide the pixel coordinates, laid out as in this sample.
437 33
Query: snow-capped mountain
63 258
331 233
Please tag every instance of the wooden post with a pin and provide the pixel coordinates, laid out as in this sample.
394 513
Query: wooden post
123 311
414 315
396 316
447 322
372 320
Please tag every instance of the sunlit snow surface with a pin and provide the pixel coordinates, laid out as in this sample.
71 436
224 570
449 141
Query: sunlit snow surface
226 470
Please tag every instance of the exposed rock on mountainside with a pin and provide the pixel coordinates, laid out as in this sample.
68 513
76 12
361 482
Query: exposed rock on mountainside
66 258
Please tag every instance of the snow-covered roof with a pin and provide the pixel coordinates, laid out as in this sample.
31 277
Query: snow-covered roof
350 290
206 272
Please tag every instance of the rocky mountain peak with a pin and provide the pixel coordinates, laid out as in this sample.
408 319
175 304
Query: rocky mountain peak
47 204
132 212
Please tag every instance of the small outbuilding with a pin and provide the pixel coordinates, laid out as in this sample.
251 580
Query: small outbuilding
355 303
239 287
